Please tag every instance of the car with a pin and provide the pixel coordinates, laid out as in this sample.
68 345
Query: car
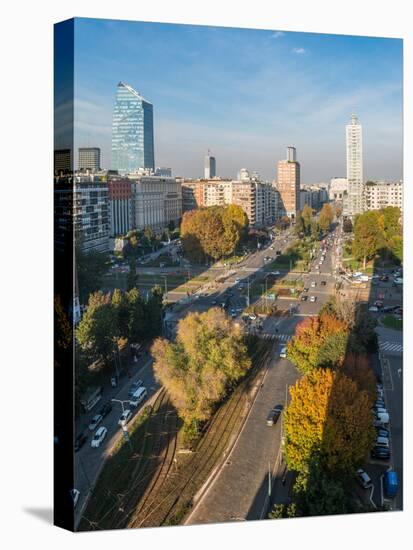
74 493
313 298
80 441
313 284
95 421
135 386
306 289
233 314
323 283
363 479
99 437
378 303
274 415
125 417
379 404
252 316
373 308
382 453
275 273
105 410
375 276
382 432
213 303
384 278
382 442
304 298
380 410
237 280
283 352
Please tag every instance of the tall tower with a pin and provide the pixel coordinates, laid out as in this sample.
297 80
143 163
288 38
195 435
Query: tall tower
132 131
288 185
209 166
354 147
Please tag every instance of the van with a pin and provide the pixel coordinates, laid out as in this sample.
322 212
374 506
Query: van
391 484
138 396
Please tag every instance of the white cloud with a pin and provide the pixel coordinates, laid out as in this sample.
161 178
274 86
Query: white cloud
299 51
277 34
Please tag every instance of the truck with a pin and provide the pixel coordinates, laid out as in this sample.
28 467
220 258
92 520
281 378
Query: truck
391 483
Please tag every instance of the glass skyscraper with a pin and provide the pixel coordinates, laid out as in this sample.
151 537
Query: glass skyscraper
132 131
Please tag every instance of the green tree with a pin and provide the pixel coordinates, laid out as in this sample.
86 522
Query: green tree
315 231
136 328
153 313
326 217
90 268
207 359
368 236
132 278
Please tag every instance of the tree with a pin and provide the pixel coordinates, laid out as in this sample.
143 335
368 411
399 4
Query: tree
368 236
136 320
358 368
153 313
307 214
318 342
132 279
207 359
315 231
338 210
328 424
326 217
98 331
347 225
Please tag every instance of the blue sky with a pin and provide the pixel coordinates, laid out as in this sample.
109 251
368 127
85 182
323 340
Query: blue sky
244 94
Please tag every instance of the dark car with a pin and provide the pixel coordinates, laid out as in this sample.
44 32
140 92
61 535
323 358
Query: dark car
80 441
304 298
323 283
105 410
382 453
305 289
384 278
274 415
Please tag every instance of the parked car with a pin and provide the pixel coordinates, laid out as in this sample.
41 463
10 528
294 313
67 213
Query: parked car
363 479
125 417
283 352
313 284
313 298
391 483
80 441
99 437
383 453
252 316
136 385
382 432
306 289
105 410
138 396
382 442
373 308
273 415
304 298
323 283
96 420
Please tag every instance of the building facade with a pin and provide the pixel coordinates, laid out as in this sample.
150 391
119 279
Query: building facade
338 189
91 213
288 185
210 168
89 159
120 206
383 193
62 161
132 131
354 203
156 202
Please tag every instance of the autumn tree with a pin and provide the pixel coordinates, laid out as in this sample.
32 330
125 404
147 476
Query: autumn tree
326 217
327 424
318 342
358 368
208 357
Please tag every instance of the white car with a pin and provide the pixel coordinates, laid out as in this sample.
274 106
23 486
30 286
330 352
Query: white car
313 284
373 308
94 423
364 479
283 352
252 316
125 417
99 437
275 273
313 298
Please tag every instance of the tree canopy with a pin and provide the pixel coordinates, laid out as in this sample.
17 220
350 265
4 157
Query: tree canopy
326 217
198 369
213 232
328 423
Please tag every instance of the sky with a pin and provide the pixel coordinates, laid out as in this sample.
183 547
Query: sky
244 94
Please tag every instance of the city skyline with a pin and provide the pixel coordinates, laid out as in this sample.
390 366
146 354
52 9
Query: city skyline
271 89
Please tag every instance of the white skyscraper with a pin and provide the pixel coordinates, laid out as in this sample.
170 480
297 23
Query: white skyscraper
355 198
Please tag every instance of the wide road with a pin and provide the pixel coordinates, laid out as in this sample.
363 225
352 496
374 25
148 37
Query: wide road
239 492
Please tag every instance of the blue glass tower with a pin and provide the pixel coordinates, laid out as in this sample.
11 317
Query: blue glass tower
132 131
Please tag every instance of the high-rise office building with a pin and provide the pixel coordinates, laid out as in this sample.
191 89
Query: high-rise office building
132 131
89 159
354 202
210 170
62 161
288 185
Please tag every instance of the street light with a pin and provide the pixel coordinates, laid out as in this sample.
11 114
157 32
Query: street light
121 402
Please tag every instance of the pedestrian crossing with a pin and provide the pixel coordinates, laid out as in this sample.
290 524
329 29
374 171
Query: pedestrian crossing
391 346
271 336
